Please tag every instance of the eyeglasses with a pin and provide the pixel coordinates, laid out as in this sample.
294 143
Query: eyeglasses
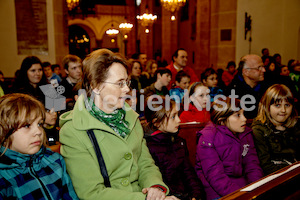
260 68
121 84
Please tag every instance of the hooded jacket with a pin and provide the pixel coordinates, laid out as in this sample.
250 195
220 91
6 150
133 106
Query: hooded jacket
172 157
276 149
129 164
39 176
226 162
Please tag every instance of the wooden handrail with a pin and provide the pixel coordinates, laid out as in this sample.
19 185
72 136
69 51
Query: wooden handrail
282 184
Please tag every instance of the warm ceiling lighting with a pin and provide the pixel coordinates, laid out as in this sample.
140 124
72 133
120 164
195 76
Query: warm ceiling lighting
173 6
125 27
112 31
72 4
147 19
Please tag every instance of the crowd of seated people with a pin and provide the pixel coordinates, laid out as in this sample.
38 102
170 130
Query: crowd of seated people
261 90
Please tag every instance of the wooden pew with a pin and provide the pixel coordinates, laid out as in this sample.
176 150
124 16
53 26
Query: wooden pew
283 184
188 131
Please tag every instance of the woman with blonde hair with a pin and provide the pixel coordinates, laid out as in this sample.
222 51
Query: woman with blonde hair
276 133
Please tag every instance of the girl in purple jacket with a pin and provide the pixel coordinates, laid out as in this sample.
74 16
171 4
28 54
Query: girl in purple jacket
226 158
170 151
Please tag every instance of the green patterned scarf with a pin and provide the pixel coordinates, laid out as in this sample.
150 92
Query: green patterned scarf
115 120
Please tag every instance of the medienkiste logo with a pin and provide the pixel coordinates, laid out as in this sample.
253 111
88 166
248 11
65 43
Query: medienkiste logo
53 97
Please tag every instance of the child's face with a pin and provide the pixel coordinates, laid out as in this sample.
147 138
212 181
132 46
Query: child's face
184 83
237 122
281 111
56 70
201 96
28 139
285 71
154 68
231 69
267 61
272 67
47 71
164 79
170 124
211 81
136 69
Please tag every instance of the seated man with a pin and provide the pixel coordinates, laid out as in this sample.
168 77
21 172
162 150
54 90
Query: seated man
179 62
247 84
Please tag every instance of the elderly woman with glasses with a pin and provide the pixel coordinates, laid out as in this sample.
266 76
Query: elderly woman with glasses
101 110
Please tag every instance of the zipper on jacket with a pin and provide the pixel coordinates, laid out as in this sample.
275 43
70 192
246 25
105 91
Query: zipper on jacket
35 176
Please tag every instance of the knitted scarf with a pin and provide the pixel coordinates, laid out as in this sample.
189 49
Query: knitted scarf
115 120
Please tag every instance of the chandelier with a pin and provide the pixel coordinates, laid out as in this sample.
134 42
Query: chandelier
125 27
147 19
112 32
173 6
72 4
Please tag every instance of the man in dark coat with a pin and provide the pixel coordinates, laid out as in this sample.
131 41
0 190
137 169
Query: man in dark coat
248 85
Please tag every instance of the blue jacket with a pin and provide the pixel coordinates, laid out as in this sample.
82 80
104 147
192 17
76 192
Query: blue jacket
214 91
39 176
226 162
177 91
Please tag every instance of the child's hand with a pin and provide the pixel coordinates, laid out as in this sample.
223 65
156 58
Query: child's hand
154 194
174 198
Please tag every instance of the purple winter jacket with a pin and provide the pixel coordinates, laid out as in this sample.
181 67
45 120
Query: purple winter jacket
226 162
